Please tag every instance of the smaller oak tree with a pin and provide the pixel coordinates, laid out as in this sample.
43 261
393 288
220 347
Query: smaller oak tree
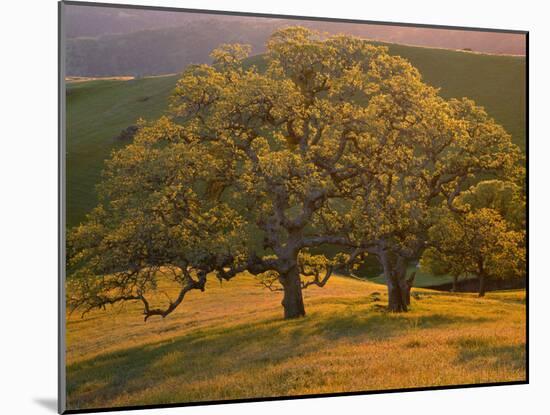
483 237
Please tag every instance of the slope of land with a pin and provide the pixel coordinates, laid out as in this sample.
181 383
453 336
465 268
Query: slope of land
231 342
97 111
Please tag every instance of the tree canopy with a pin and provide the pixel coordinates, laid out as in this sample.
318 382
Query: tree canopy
335 142
485 238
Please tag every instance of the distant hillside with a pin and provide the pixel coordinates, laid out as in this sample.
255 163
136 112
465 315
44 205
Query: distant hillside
97 111
159 51
93 21
114 42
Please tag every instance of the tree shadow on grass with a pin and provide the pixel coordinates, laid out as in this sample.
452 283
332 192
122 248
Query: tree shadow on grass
382 325
201 354
207 353
484 351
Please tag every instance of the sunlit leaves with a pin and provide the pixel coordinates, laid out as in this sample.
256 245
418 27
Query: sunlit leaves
336 141
488 239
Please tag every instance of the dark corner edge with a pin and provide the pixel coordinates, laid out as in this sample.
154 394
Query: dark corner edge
61 373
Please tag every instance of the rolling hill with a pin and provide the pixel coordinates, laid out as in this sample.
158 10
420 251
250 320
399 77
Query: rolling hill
96 113
347 342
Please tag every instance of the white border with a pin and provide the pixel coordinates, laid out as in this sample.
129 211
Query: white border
28 206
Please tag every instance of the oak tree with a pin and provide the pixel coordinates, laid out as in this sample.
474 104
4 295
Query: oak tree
258 168
485 237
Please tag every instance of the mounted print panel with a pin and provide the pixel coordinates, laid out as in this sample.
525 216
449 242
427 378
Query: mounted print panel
261 207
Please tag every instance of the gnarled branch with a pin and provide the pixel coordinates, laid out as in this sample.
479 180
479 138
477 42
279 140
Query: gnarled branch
317 280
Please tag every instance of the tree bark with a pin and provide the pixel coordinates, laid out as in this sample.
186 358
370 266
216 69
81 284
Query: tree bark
397 302
407 286
398 289
481 285
293 302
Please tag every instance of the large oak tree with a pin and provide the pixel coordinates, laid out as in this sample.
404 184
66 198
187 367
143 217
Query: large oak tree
254 169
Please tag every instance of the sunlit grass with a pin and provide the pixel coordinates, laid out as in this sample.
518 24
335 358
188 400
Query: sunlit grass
231 342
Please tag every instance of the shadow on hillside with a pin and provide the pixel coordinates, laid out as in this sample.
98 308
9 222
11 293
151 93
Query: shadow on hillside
205 354
484 351
383 325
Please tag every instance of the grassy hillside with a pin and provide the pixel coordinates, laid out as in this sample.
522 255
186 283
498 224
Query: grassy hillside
495 82
422 278
243 349
96 113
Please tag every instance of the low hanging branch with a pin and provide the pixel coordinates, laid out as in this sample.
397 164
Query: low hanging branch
316 278
101 294
254 264
191 284
270 280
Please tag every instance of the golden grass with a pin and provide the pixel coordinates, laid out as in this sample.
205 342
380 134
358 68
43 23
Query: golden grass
231 342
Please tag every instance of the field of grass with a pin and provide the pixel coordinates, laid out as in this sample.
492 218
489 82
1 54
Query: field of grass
98 110
231 342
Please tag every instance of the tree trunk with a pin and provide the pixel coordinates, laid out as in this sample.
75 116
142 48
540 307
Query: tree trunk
293 302
481 285
406 286
397 301
455 284
398 289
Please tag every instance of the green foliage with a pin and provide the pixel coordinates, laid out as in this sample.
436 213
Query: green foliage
100 109
336 142
485 238
507 198
495 82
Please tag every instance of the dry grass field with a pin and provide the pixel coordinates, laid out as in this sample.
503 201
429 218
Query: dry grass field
231 342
